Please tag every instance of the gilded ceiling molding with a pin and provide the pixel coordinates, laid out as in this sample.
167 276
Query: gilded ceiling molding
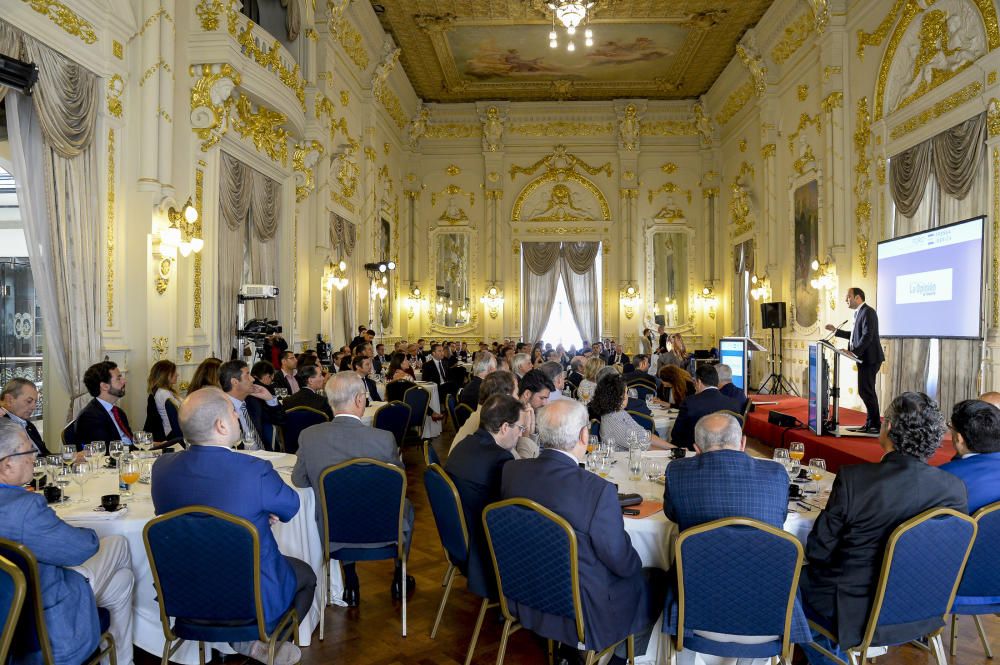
735 103
158 15
875 38
794 36
199 193
347 35
755 65
669 188
452 130
560 160
212 102
561 129
116 87
966 94
263 127
862 183
390 102
667 128
110 230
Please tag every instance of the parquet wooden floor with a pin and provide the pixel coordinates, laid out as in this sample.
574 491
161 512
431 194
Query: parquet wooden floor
370 634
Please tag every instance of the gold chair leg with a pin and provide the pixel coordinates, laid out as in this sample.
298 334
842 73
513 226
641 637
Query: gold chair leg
630 650
112 650
953 638
939 654
982 636
324 597
591 656
403 584
165 660
550 651
503 640
272 648
475 633
450 576
201 653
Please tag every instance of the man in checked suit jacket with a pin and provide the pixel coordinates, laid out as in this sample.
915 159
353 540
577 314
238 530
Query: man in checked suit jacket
18 399
866 345
102 419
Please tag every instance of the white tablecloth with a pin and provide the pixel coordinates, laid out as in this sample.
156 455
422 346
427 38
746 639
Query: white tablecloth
432 429
664 419
297 538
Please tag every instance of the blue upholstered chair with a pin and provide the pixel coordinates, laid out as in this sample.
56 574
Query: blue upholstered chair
462 413
642 388
645 421
68 435
714 561
297 419
206 572
362 504
175 422
451 403
13 589
430 455
30 634
419 400
921 570
979 591
517 530
595 427
393 417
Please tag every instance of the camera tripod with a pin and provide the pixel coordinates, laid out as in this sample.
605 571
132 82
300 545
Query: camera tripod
775 383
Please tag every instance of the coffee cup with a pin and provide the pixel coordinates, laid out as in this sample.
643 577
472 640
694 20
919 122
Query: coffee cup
110 502
52 493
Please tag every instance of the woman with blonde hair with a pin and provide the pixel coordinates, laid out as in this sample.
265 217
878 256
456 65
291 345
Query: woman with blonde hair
587 387
161 384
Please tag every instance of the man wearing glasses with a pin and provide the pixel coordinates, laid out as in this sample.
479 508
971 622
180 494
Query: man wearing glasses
77 571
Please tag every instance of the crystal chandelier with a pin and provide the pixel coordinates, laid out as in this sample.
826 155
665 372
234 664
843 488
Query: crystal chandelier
571 14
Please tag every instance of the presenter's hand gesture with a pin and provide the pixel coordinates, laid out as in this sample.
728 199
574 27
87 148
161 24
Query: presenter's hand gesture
831 327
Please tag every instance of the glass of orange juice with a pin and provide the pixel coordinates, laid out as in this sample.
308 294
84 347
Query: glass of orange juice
797 450
128 474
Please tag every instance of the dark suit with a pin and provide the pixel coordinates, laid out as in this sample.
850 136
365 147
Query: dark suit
732 392
575 378
95 423
476 465
281 381
310 398
981 475
846 546
693 408
645 377
378 362
265 418
866 345
431 373
617 358
372 389
661 343
35 437
725 483
614 595
470 393
245 486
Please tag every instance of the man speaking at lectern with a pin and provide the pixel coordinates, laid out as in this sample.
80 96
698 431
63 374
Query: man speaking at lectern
867 347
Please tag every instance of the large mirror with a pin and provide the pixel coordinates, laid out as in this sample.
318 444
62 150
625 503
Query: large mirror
449 302
384 253
669 253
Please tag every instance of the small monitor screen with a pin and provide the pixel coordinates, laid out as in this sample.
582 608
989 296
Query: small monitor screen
733 352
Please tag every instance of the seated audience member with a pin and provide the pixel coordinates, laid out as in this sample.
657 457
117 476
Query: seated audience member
18 399
345 363
576 370
362 366
399 380
206 374
257 409
868 501
74 567
591 367
707 399
641 372
615 355
675 385
537 356
553 371
484 365
285 376
991 398
727 388
500 382
101 419
975 427
608 406
534 389
475 465
634 403
161 386
722 480
210 473
341 440
436 369
380 360
521 362
263 375
311 380
617 595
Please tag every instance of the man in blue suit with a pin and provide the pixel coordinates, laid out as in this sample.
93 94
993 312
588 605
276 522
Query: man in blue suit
975 427
707 399
618 596
722 480
77 572
728 388
209 472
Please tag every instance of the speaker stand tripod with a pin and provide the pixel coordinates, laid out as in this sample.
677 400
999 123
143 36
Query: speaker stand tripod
775 383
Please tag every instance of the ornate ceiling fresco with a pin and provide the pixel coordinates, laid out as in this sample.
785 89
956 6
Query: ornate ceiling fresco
468 50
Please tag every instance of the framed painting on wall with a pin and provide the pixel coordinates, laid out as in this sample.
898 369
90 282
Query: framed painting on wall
806 226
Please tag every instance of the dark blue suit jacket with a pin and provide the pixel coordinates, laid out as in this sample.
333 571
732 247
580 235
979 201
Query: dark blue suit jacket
243 485
725 483
693 408
732 392
476 465
864 339
611 579
981 475
94 423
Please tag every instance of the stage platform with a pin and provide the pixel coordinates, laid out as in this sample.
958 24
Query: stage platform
836 451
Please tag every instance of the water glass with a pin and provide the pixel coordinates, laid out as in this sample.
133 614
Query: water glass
39 470
793 468
645 439
635 463
280 393
53 462
63 477
81 474
99 449
781 456
603 467
593 461
115 449
652 469
649 401
68 455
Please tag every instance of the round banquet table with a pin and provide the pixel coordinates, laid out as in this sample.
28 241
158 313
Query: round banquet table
432 429
297 538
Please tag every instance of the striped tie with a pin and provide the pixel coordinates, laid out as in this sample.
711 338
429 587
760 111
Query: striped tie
251 440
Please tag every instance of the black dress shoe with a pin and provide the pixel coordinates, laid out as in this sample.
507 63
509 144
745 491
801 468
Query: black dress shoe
862 429
872 429
352 597
397 583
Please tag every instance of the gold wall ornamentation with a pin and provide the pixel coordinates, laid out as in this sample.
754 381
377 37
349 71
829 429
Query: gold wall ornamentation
829 72
964 95
876 37
370 153
65 18
116 87
453 130
804 121
345 97
996 237
561 160
709 192
312 35
560 175
390 102
862 183
802 92
735 103
668 168
208 14
199 192
188 355
805 159
453 170
667 128
386 148
933 37
562 129
158 15
109 242
270 59
832 101
351 41
993 117
880 170
152 69
628 175
492 194
117 49
768 150
629 193
794 36
991 78
557 231
301 154
264 128
160 111
213 117
453 190
160 346
669 188
337 198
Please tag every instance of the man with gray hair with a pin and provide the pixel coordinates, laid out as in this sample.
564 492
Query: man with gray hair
74 567
484 365
576 370
18 399
521 364
618 596
728 388
342 439
722 480
554 370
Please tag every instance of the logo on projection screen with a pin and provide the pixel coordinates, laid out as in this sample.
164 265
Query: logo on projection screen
924 287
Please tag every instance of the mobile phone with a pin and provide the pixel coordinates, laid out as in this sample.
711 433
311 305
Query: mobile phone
629 511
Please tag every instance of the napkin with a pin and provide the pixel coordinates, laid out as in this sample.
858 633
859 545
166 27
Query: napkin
92 515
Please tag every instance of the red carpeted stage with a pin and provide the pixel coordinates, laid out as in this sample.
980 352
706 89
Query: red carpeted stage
836 451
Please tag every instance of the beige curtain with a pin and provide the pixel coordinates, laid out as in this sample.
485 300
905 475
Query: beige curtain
908 175
579 273
10 45
541 279
265 210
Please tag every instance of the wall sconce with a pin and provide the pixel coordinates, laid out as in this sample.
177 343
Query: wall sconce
670 312
630 300
824 278
413 302
492 300
379 273
379 287
182 232
760 288
708 300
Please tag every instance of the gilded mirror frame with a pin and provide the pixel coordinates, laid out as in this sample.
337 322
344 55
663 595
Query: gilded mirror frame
473 286
659 226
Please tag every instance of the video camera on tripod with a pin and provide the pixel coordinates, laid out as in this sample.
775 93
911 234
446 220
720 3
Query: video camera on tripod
257 329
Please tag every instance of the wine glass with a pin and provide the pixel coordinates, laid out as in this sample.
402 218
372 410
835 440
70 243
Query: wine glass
53 462
593 443
128 474
817 469
645 439
81 474
99 449
782 457
38 471
68 455
651 468
62 480
603 467
115 450
797 450
143 441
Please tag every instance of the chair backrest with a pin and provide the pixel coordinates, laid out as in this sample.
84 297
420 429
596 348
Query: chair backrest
418 399
297 419
595 427
462 413
642 388
393 417
31 633
13 589
747 407
430 455
570 388
457 376
738 416
448 516
153 422
982 574
921 570
68 435
202 559
362 503
516 531
175 421
715 562
644 420
451 403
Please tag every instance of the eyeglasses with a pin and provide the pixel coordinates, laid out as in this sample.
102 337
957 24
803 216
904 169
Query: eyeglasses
26 452
519 426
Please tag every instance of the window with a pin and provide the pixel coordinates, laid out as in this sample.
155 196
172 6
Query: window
561 328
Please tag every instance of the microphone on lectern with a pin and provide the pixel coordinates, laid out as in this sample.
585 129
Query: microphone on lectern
834 331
